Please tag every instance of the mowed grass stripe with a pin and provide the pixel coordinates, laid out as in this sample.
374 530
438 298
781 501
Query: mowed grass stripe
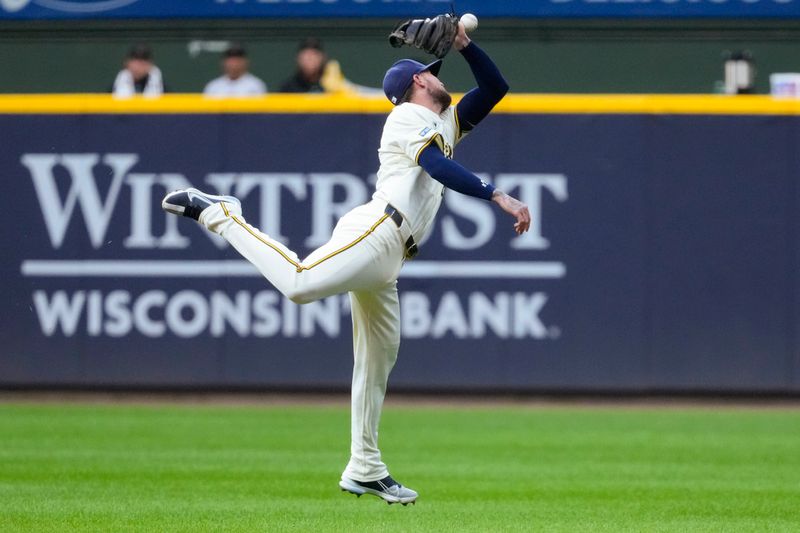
275 468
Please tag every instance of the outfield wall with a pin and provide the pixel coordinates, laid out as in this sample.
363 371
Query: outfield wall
663 254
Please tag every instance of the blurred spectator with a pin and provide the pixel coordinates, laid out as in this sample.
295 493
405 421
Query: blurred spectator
311 61
236 80
140 75
317 73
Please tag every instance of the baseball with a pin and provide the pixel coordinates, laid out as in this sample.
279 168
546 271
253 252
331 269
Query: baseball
469 21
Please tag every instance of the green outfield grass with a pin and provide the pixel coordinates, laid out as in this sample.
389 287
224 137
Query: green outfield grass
271 468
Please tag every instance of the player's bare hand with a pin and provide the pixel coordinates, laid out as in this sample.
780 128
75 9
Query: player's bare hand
515 208
461 40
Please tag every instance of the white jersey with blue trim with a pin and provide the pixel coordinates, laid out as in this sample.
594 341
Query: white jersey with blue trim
409 129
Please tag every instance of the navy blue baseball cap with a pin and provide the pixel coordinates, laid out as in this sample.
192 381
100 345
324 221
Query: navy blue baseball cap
399 76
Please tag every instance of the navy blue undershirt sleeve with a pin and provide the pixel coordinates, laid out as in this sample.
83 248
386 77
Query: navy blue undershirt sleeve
452 175
478 102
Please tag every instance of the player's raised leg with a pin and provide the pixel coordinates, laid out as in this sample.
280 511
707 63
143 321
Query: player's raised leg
219 213
364 251
376 339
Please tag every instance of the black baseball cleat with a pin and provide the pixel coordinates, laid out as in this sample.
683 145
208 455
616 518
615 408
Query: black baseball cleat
191 202
386 488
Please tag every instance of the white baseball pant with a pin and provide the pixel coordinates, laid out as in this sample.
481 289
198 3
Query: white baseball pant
363 257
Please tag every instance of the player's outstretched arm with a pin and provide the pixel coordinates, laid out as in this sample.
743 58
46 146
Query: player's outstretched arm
455 177
452 175
492 86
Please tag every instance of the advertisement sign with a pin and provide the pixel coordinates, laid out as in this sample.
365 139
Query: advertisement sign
660 255
88 9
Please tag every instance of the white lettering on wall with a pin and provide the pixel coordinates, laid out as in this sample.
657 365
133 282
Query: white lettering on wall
191 313
94 183
83 191
529 189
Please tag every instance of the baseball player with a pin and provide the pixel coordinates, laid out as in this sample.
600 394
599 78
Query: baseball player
370 243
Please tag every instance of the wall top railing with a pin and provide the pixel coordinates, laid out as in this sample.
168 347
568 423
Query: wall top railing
655 104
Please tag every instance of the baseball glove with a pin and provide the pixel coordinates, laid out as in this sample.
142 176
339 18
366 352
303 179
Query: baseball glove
435 35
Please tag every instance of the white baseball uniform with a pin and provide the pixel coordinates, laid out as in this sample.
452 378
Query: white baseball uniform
363 257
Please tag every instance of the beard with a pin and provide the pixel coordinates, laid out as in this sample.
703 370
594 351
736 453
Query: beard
441 97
